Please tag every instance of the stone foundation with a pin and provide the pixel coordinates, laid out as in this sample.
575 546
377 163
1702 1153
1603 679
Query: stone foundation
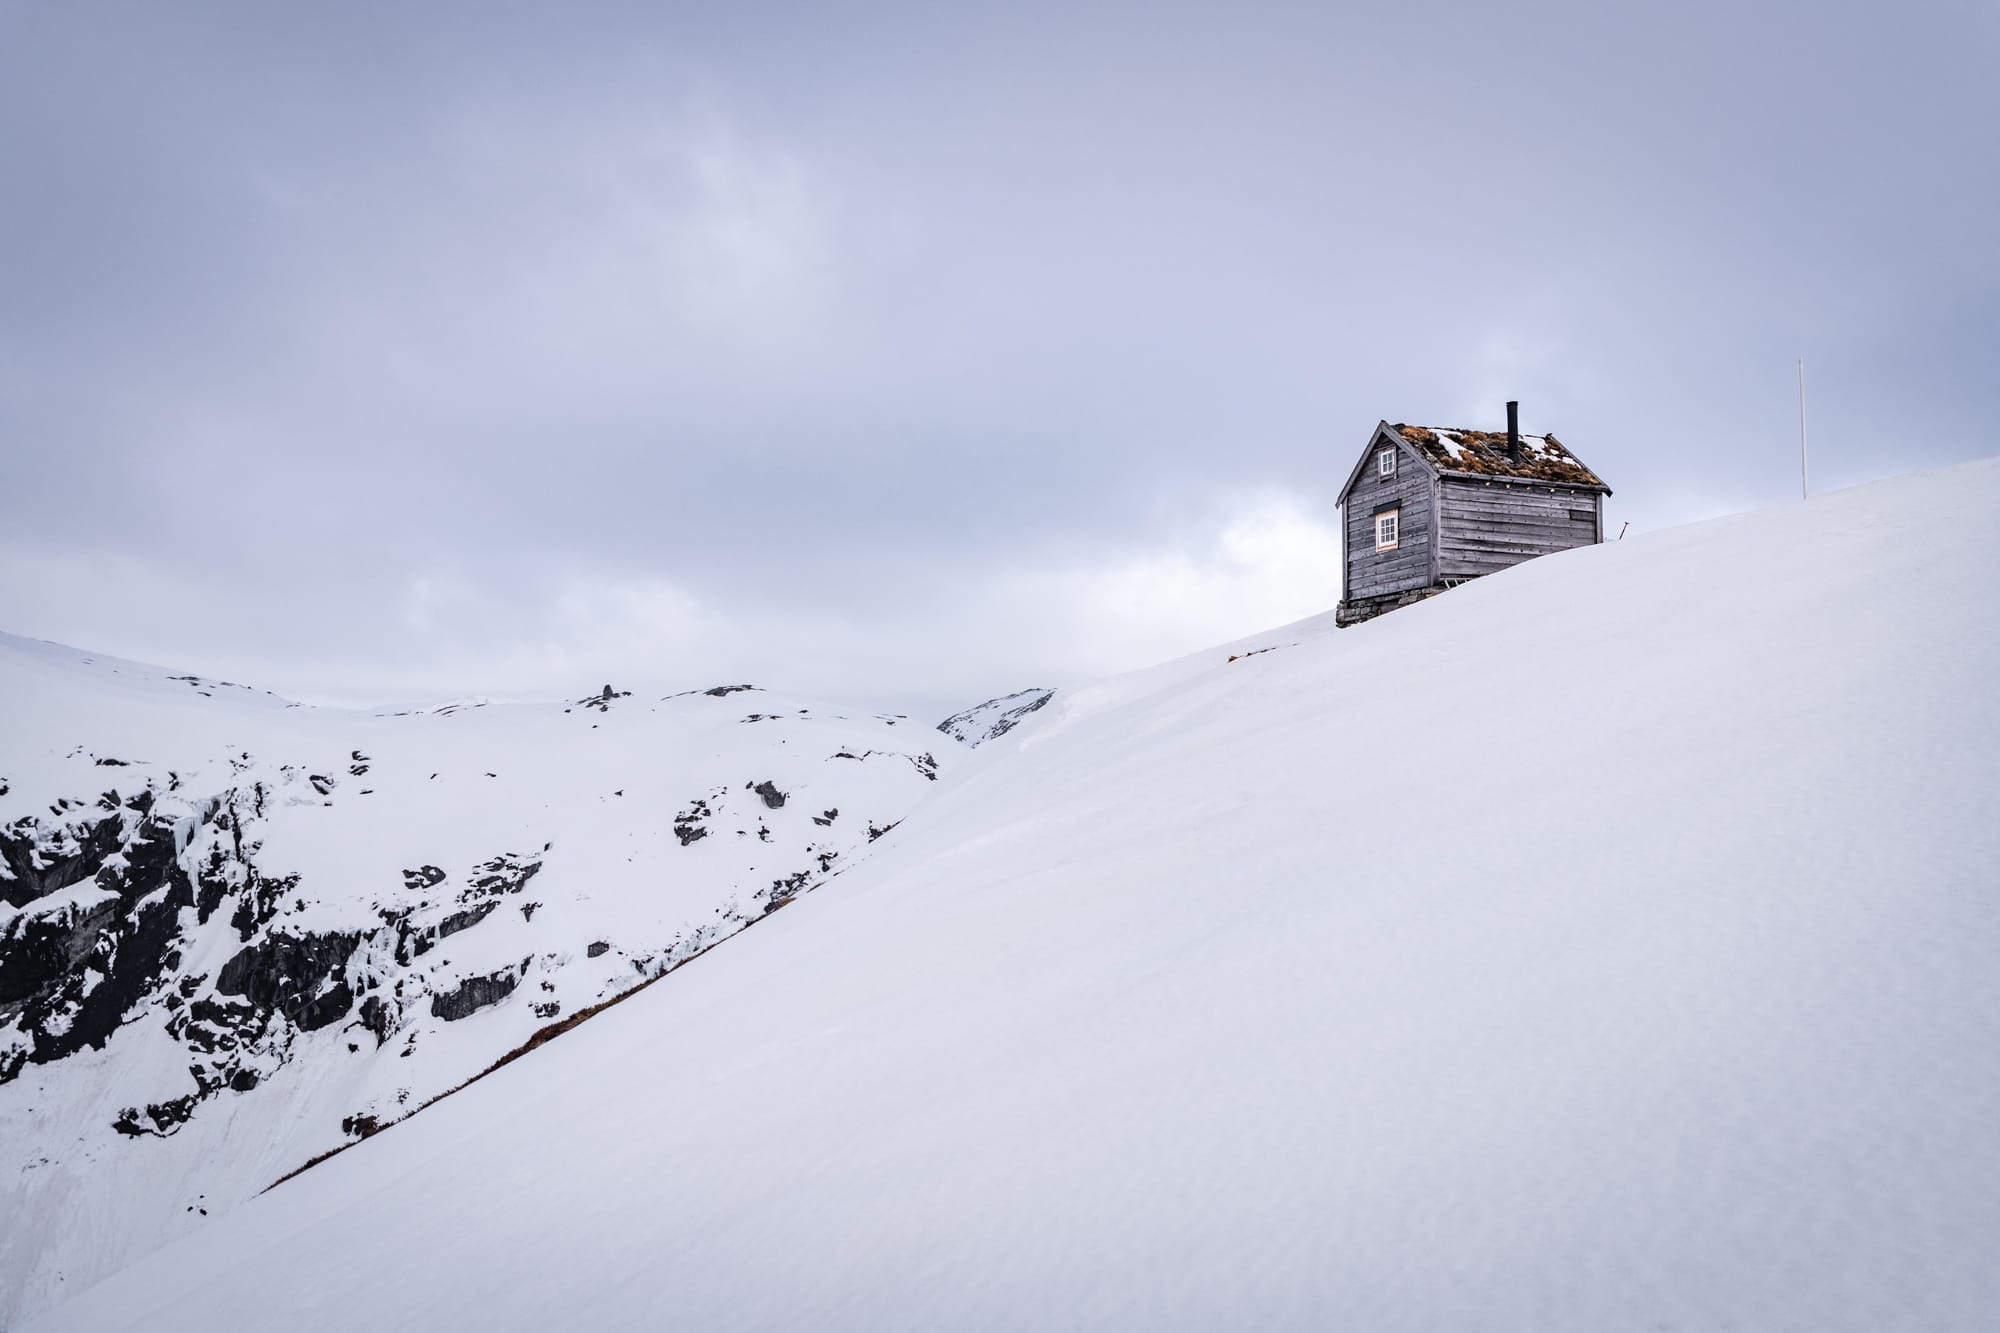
1358 609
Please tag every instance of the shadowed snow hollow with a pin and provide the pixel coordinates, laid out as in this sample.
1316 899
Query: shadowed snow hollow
1604 945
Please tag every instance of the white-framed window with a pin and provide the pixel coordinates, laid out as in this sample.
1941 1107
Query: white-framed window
1388 527
1385 463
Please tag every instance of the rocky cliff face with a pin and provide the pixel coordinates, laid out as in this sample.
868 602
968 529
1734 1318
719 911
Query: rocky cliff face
236 933
994 718
115 898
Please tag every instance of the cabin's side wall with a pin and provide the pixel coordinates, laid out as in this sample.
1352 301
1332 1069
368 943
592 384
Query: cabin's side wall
1372 573
1486 526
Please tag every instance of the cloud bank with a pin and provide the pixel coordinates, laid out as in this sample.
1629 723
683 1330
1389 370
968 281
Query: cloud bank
915 355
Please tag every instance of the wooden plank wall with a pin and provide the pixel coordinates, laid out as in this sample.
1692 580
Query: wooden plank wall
1369 573
1488 526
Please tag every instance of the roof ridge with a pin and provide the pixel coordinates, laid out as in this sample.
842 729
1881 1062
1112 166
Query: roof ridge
1469 430
1465 451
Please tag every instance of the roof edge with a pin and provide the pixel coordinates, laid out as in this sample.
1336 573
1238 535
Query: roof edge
1506 480
1382 428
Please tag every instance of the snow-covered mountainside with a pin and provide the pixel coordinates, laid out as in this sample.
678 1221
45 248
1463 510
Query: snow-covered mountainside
1607 944
238 932
994 718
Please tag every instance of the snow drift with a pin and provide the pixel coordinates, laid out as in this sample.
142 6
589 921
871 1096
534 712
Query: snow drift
1603 945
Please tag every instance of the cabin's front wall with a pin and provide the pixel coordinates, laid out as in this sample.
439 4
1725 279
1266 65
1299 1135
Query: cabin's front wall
1372 573
1487 526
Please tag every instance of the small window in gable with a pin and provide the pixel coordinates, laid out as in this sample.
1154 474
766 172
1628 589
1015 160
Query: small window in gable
1385 463
1387 525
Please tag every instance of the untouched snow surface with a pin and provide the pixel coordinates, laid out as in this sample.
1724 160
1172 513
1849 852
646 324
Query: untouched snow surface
1606 945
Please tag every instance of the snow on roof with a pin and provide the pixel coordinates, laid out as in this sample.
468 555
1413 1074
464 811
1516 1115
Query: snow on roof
1543 457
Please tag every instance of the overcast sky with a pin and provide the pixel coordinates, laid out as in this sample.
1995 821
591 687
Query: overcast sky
920 353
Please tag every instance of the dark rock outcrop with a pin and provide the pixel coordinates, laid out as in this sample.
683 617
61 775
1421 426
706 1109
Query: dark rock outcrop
423 877
467 919
284 973
602 701
994 718
161 1118
506 873
43 861
327 1008
474 994
38 952
379 1017
70 974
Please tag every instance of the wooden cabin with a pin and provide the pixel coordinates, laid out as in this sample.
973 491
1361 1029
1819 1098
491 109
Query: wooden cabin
1427 508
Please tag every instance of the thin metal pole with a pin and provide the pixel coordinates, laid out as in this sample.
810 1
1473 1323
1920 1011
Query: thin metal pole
1804 489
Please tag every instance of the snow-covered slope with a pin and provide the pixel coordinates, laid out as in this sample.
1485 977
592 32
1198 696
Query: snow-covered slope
236 932
1605 945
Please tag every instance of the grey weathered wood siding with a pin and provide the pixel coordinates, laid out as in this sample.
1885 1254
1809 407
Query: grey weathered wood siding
1371 573
1489 526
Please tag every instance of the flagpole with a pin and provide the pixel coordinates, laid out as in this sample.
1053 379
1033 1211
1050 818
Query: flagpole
1804 489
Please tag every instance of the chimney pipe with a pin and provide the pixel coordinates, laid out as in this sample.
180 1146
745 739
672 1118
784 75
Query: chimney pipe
1514 429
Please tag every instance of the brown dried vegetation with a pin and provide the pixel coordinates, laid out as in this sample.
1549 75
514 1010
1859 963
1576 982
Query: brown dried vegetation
1484 453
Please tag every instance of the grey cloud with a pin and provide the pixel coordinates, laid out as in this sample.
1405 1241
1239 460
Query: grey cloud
840 323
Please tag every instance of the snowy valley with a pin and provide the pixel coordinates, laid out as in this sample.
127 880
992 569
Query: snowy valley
1605 944
241 932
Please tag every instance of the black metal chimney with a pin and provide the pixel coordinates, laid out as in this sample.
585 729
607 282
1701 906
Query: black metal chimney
1513 430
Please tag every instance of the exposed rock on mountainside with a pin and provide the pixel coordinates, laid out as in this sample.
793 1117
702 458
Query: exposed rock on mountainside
996 717
233 929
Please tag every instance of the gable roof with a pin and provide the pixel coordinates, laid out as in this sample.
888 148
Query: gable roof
1483 453
1382 432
